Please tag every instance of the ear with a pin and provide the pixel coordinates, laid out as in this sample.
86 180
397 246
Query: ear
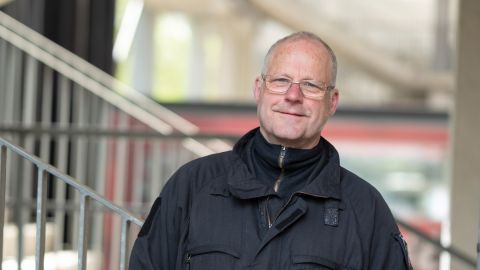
257 88
334 98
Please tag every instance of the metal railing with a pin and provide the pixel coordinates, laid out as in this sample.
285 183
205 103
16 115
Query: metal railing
44 86
87 196
437 244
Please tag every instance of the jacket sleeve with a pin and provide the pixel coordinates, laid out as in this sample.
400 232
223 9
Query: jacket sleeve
388 249
158 242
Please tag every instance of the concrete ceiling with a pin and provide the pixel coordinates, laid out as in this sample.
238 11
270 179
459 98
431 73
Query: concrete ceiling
380 64
221 8
4 2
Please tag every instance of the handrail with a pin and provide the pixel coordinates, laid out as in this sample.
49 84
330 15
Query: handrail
99 83
69 180
86 193
437 244
76 68
84 131
91 132
78 131
82 79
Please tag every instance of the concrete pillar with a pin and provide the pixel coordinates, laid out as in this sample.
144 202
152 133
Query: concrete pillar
245 60
142 72
228 82
196 67
465 177
240 50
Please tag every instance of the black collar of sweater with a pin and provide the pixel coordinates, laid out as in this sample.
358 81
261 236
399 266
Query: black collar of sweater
298 164
294 158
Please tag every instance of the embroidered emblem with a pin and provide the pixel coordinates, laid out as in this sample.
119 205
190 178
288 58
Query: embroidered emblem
331 216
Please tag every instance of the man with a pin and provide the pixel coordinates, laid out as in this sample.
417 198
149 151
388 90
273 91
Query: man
279 199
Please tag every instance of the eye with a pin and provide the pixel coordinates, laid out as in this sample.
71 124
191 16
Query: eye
280 80
311 86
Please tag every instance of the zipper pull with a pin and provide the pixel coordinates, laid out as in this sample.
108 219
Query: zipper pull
281 157
281 161
267 213
188 258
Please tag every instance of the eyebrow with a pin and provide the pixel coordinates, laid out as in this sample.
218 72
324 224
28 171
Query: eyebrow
290 77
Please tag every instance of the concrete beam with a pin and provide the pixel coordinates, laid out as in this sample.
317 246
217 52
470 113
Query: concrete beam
4 2
220 8
380 65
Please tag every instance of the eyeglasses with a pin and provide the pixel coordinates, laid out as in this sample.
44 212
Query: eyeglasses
310 88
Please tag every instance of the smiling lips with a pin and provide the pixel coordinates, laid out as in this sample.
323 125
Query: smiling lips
292 113
289 110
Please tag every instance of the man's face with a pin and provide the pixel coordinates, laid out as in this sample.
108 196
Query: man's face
290 119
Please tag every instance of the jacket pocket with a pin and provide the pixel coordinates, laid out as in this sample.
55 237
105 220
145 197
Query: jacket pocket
211 257
307 262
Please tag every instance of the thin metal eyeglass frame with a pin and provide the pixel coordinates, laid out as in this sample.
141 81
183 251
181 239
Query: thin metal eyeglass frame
324 91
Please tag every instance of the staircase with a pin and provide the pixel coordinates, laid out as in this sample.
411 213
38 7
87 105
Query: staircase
96 140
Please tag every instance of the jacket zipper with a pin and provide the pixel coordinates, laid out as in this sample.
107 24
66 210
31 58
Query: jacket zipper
281 161
188 258
276 185
267 213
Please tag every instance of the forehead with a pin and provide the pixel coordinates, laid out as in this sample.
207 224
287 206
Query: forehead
300 55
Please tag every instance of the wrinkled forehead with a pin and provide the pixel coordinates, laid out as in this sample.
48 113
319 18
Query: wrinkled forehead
307 54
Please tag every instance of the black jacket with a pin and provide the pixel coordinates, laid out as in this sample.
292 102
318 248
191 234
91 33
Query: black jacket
211 215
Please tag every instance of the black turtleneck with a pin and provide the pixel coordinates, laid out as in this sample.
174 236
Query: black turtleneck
298 165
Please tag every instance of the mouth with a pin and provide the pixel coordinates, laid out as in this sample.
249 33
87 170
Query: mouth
291 113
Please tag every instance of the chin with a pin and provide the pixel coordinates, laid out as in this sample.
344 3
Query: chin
288 136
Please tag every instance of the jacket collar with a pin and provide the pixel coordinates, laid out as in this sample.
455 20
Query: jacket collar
242 183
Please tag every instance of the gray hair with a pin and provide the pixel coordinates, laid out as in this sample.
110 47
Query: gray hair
303 35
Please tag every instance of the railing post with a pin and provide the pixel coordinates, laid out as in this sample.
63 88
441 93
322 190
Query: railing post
41 219
20 211
3 180
83 230
124 243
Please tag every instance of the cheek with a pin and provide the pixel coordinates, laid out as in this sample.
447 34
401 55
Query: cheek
263 113
319 117
264 105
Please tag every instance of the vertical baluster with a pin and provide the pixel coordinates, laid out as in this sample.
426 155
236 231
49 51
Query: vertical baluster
124 244
157 168
3 191
3 80
83 231
100 173
41 219
79 146
46 114
121 170
138 182
16 110
63 115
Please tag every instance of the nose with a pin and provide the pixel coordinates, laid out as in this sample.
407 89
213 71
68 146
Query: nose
294 93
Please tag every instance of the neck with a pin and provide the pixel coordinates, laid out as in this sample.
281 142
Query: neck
296 144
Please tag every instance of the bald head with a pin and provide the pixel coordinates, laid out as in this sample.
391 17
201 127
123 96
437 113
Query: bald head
309 37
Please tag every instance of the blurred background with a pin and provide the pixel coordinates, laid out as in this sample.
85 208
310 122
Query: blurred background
119 93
